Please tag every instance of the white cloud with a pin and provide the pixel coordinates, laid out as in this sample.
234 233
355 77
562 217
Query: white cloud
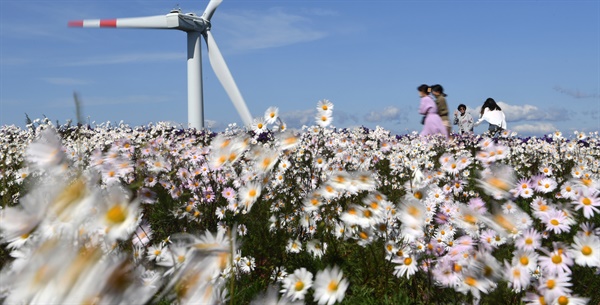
341 117
389 113
65 81
534 129
129 58
272 28
515 113
295 119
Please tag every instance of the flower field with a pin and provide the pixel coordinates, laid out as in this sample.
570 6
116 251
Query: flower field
159 215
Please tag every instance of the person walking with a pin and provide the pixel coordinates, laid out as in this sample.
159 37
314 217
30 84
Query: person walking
432 122
463 119
442 107
493 114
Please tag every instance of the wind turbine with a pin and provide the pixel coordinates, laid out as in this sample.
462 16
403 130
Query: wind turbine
195 27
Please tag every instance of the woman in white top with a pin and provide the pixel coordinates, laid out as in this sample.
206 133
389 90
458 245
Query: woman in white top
492 113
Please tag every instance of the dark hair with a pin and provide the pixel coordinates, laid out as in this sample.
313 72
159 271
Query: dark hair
462 106
438 88
423 88
490 104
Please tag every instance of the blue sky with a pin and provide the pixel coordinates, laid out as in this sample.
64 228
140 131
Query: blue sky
541 59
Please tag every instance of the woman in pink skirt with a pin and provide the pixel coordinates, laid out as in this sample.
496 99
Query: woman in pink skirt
432 122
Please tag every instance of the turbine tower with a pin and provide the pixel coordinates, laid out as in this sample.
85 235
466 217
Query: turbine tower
195 27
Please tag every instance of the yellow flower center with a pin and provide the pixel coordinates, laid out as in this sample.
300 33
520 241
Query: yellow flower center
505 223
550 284
408 261
470 281
488 271
457 267
333 286
524 260
586 201
563 300
418 195
252 193
116 214
554 222
299 286
556 259
413 211
542 300
470 218
586 250
498 183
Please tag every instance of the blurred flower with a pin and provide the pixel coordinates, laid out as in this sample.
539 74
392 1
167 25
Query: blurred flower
556 262
588 200
554 285
293 246
259 126
518 277
325 106
271 115
498 181
323 119
47 153
296 285
586 250
330 286
556 221
405 265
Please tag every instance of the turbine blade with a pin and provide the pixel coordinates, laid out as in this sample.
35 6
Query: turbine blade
169 21
210 9
220 67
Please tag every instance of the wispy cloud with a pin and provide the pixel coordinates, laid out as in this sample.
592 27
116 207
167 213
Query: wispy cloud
250 30
129 58
94 101
534 129
65 81
575 93
14 61
389 113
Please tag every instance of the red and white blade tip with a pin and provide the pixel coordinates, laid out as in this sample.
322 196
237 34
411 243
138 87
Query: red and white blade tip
102 23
